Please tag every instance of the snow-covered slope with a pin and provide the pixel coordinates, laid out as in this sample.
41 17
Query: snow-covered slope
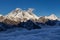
21 14
52 17
18 15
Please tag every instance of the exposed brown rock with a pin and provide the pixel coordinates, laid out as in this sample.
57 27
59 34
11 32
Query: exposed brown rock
1 18
42 20
8 21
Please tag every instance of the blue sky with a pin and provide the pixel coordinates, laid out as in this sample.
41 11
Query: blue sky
42 7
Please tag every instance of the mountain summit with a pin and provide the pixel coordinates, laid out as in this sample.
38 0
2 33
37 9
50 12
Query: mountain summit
18 15
52 17
26 19
21 14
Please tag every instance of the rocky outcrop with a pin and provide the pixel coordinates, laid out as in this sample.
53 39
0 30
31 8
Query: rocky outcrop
51 22
29 25
42 20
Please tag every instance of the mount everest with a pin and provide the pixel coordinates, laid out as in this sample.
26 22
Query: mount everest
19 14
25 25
26 19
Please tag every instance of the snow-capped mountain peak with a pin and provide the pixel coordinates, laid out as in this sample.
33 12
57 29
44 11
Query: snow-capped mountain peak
52 17
21 14
18 15
17 9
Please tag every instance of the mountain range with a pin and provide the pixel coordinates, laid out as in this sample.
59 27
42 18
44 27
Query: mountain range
26 19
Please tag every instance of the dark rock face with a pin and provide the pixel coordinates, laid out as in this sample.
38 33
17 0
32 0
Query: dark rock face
51 22
2 26
29 25
42 20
